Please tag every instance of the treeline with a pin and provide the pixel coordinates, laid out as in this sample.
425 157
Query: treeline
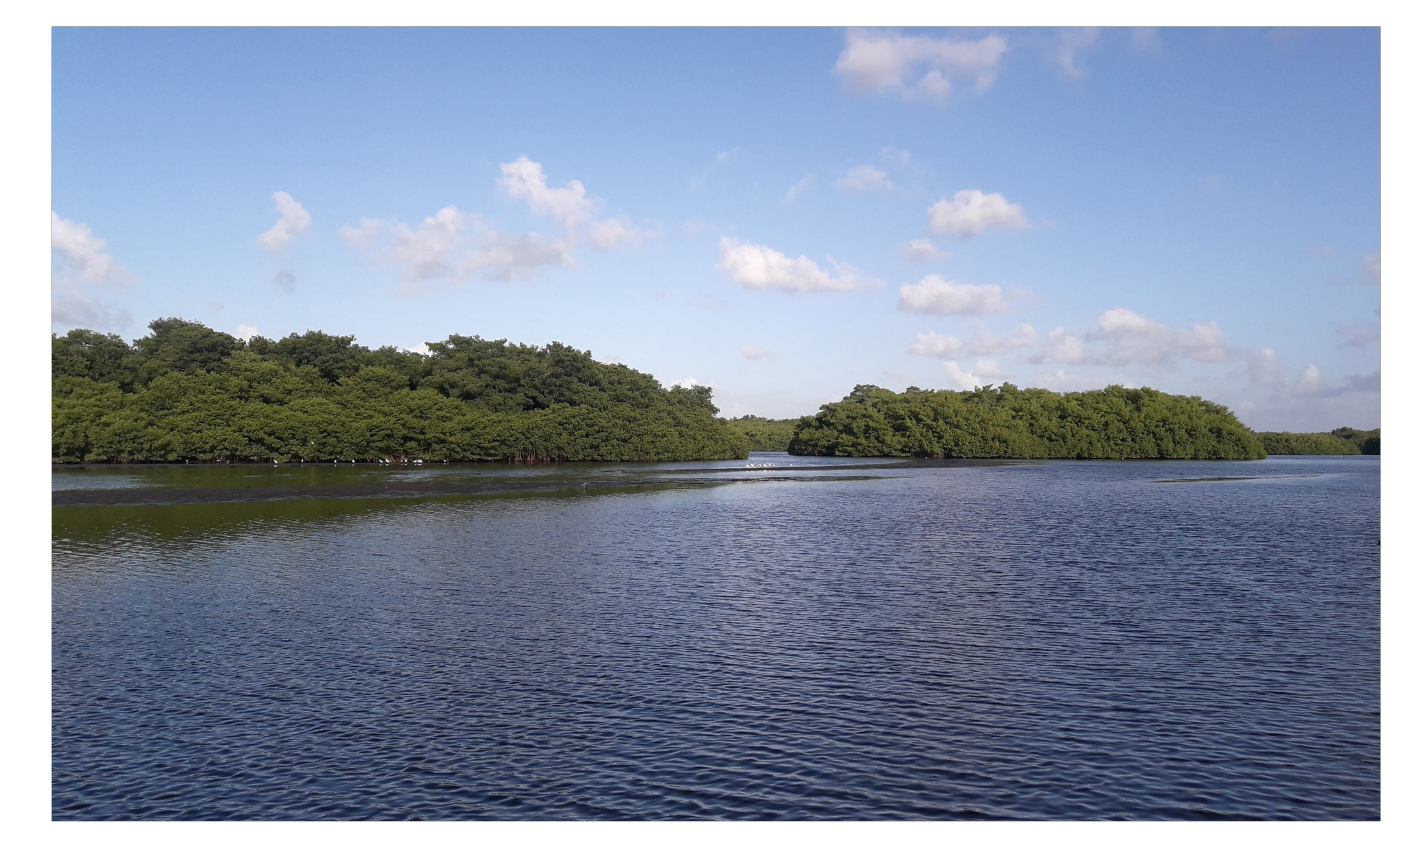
764 434
1342 440
1007 422
187 392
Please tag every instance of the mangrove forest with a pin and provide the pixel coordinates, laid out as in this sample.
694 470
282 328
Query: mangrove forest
186 392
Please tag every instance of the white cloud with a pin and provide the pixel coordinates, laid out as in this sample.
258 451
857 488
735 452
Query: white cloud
513 256
293 221
455 245
932 344
752 352
982 342
461 246
75 309
958 378
1066 348
897 156
970 212
1370 267
1134 339
989 369
419 348
1279 400
569 205
923 250
864 178
759 267
79 258
525 179
724 155
1126 338
244 332
689 382
800 185
935 296
81 250
918 67
1072 42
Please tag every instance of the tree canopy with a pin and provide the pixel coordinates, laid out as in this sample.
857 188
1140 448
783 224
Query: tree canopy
1342 440
187 392
1007 422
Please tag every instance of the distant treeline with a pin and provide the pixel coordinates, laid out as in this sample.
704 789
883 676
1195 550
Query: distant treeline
1007 422
187 392
764 434
1342 440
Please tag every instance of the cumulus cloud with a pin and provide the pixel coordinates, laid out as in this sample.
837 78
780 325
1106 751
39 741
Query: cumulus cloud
458 246
917 67
461 246
862 179
293 221
75 309
935 296
970 212
752 352
1073 42
959 378
80 259
1133 338
989 369
1126 338
569 205
759 267
1302 400
246 332
923 250
982 342
81 251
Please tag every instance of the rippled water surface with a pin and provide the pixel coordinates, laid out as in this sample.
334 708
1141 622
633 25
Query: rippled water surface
778 638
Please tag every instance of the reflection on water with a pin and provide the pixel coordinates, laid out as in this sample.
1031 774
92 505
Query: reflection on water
732 640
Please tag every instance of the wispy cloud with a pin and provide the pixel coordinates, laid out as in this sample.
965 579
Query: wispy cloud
1073 42
460 246
917 67
862 179
923 250
801 185
982 342
752 352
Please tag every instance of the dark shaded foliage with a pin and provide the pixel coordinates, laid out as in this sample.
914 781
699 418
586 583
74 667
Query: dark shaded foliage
1002 422
186 392
1342 440
764 434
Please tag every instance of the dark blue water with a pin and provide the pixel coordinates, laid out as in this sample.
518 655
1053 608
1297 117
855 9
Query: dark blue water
883 641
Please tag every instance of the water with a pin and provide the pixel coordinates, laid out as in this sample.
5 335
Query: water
739 640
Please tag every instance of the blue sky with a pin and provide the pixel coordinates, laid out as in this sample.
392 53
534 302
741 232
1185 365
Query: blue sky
780 214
